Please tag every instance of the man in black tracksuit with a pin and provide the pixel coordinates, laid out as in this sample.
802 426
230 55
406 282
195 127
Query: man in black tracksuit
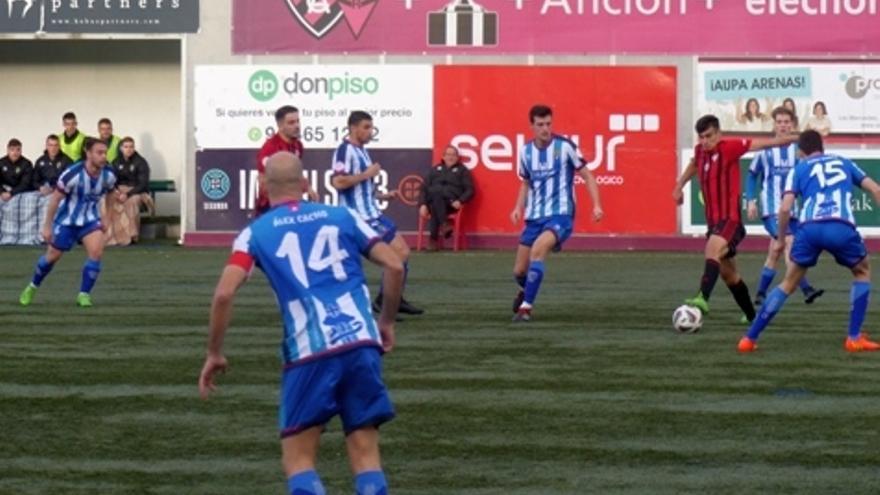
16 172
49 166
447 187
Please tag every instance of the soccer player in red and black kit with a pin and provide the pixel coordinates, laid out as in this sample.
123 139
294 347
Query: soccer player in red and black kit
716 160
285 139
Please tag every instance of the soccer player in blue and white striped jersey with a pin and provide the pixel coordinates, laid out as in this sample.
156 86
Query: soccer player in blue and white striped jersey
73 216
331 346
547 166
353 173
770 167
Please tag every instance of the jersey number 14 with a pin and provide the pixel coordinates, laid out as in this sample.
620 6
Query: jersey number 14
325 253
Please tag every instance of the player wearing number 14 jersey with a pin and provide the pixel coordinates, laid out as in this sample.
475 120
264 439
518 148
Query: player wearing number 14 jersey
331 344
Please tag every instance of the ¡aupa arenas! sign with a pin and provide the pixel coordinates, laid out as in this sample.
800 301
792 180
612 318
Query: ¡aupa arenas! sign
99 16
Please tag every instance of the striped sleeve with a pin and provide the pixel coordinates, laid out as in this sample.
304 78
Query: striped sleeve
858 175
242 252
364 235
791 185
67 180
522 167
342 161
573 155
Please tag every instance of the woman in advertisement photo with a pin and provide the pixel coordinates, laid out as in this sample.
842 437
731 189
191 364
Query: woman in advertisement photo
819 121
752 119
789 104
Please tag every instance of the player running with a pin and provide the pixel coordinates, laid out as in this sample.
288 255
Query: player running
353 173
824 183
331 345
770 167
547 166
72 216
716 160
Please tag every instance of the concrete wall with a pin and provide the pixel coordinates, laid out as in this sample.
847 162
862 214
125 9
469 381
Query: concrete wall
135 83
213 46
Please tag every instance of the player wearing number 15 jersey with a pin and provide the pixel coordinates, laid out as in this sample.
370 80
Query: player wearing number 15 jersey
824 183
331 344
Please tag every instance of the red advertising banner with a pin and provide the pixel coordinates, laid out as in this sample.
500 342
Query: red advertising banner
623 118
556 26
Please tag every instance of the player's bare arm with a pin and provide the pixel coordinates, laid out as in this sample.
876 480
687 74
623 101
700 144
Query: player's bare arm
871 186
689 172
392 279
593 189
517 213
51 210
231 280
763 143
343 182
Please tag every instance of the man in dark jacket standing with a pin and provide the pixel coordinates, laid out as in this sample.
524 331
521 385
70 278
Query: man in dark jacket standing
49 166
447 187
132 190
16 172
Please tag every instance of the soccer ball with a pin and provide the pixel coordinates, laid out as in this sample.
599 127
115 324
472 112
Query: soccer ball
687 319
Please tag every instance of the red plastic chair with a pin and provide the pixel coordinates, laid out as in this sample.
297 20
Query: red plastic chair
458 241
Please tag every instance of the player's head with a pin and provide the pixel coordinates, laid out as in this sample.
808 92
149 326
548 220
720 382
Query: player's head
13 150
283 177
541 120
69 122
105 128
450 156
127 147
709 131
360 127
287 120
96 152
819 109
53 144
783 121
810 143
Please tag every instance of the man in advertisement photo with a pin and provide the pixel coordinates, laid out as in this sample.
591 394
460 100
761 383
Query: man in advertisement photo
286 138
353 173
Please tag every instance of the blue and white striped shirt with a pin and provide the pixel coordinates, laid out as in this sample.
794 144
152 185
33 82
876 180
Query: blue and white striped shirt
83 194
771 167
825 184
350 159
550 173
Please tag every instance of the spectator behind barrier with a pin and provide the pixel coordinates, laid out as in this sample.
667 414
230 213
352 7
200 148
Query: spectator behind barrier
72 140
447 187
16 172
49 166
132 190
105 134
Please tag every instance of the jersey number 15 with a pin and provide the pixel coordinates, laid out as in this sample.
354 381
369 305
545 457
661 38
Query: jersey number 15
828 173
326 241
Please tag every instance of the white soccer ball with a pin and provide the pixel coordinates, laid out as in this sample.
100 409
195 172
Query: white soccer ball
687 319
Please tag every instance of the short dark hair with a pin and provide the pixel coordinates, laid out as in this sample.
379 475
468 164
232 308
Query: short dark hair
811 142
358 116
91 142
14 143
105 120
52 137
706 122
69 116
283 111
127 139
783 111
538 111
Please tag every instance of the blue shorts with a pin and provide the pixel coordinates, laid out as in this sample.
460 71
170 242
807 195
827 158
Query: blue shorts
771 223
348 384
560 225
64 237
384 227
840 239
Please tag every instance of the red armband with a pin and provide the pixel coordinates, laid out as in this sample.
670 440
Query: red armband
241 260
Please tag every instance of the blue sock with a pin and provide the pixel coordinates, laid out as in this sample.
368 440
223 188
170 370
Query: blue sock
305 483
91 270
771 306
805 285
41 271
370 483
533 281
767 275
520 281
859 297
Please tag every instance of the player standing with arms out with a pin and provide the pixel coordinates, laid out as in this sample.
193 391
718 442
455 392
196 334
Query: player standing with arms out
286 138
72 216
824 182
716 160
547 167
353 173
332 345
770 167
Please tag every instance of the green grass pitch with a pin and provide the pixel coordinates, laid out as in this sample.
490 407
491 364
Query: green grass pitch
597 395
